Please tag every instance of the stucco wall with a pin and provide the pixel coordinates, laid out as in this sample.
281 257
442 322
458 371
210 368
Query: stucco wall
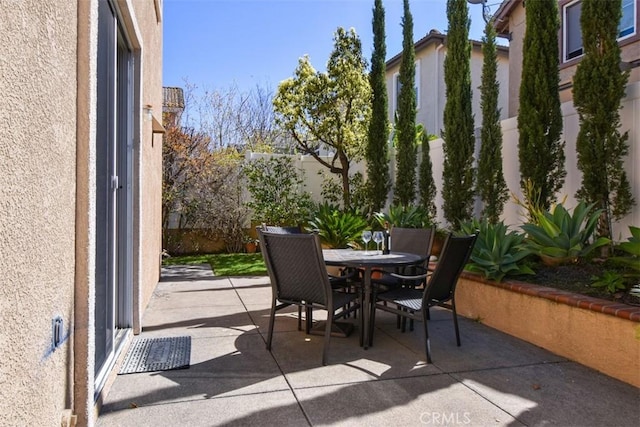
150 197
607 343
430 59
630 119
37 207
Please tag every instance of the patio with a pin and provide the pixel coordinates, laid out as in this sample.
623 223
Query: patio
493 379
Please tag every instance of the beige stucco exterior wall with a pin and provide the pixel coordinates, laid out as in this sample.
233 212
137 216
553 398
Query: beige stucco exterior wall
430 61
149 215
47 199
516 35
37 208
516 24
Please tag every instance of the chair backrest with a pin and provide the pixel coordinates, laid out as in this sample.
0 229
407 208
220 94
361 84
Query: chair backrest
417 241
296 267
412 240
281 230
454 256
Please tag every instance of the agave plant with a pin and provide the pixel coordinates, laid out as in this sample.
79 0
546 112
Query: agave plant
498 252
560 237
337 228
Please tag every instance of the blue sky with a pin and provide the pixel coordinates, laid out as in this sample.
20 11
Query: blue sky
214 44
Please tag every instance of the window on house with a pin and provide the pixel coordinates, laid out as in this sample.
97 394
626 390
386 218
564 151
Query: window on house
627 25
572 36
397 85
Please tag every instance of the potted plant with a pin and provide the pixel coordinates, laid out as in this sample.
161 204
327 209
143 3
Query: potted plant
250 244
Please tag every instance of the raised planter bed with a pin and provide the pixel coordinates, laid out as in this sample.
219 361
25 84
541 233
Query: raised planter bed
600 334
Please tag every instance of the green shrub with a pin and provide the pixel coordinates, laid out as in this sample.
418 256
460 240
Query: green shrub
610 280
498 252
632 248
559 237
411 216
276 198
336 228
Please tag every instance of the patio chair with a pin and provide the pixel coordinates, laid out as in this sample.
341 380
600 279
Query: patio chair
345 281
413 303
411 240
414 241
299 277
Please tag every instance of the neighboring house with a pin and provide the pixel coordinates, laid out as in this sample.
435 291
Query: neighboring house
80 199
430 52
511 23
172 105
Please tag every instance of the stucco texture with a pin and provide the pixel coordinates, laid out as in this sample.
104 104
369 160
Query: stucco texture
37 206
603 342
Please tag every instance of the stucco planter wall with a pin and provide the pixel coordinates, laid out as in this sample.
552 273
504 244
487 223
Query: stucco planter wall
593 332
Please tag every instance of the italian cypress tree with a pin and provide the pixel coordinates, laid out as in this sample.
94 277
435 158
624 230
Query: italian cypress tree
426 185
406 161
458 171
491 186
377 155
598 88
540 151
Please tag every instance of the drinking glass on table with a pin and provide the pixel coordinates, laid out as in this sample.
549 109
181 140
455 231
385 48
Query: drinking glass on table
378 237
366 238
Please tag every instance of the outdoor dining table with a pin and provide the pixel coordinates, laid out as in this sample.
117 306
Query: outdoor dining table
366 261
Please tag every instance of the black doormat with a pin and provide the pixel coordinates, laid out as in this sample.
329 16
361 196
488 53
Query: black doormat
157 354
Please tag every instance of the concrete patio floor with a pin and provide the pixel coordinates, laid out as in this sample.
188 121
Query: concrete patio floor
493 379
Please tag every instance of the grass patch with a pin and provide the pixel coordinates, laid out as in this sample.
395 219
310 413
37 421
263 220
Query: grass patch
238 265
224 264
187 259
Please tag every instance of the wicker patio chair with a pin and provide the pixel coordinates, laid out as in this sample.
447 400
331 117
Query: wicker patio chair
414 241
439 290
347 280
299 277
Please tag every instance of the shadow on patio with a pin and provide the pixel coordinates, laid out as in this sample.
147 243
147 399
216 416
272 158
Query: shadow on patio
493 379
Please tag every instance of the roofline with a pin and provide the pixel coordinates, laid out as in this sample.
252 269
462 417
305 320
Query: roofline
501 17
435 36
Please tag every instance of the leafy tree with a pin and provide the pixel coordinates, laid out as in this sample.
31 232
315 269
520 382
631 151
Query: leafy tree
490 183
275 185
329 110
540 151
599 86
404 192
332 191
233 118
185 155
459 141
426 184
201 187
378 181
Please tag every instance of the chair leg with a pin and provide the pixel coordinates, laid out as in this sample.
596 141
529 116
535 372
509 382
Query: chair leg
272 319
455 321
427 343
327 335
372 323
308 319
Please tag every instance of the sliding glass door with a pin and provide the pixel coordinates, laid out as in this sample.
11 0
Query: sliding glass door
114 192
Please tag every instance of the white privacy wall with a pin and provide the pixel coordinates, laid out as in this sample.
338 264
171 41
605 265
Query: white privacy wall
630 119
